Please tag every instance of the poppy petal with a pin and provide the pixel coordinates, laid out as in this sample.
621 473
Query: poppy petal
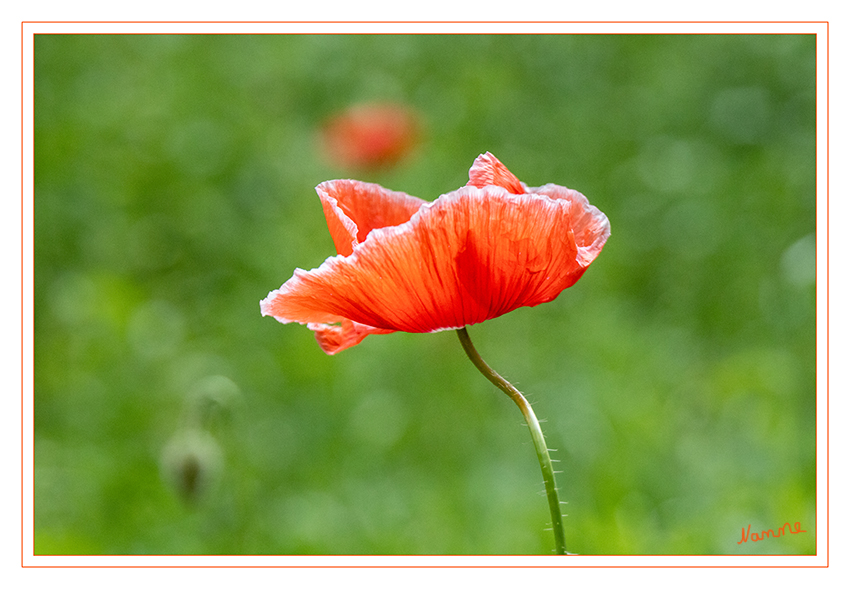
586 221
353 209
487 170
471 255
336 338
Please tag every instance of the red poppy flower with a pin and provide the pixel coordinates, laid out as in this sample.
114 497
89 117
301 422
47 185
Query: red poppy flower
408 265
370 135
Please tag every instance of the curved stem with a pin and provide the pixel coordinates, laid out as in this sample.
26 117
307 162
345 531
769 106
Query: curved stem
536 435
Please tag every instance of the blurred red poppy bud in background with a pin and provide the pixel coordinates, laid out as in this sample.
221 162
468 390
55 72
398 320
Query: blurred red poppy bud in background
370 135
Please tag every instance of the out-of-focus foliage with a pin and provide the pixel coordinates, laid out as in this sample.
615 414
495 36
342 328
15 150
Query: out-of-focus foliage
174 189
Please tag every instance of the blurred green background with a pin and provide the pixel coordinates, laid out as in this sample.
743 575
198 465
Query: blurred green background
174 189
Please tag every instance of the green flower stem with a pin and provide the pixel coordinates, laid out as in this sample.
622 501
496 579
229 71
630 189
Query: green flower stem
536 435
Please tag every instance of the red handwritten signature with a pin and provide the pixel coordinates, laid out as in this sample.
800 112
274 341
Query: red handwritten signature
755 537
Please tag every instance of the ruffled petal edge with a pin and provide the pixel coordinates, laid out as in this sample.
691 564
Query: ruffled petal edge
353 209
487 170
334 338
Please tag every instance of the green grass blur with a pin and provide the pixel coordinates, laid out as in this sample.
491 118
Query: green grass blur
174 189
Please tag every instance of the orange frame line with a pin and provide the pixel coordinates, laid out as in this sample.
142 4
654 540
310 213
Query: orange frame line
826 22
